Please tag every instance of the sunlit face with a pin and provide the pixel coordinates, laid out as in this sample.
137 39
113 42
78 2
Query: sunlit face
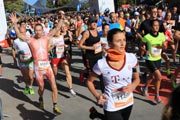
174 10
63 28
155 26
22 30
106 29
159 13
154 13
119 42
168 16
38 31
113 18
121 14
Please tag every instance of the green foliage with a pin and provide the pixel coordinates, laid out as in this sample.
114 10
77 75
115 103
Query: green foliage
50 4
15 5
62 2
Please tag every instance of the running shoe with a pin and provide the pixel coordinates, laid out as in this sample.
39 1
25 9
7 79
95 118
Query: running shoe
72 92
57 110
157 99
41 104
174 84
144 91
31 91
26 91
93 113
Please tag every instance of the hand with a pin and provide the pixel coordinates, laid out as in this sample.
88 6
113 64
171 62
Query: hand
101 99
13 18
129 88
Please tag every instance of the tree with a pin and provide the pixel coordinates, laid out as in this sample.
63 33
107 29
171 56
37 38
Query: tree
62 2
14 6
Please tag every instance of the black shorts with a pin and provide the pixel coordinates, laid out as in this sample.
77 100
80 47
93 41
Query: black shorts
123 114
91 60
153 65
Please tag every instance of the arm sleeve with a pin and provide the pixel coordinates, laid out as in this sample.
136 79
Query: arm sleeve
96 69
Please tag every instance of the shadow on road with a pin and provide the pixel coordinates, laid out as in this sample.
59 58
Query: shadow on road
34 114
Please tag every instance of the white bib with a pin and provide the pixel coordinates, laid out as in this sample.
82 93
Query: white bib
98 48
43 65
156 51
121 99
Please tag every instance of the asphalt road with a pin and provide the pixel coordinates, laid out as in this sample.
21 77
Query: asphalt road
18 106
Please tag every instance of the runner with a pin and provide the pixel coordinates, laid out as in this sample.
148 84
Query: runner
39 48
25 61
68 41
91 43
58 58
155 43
120 76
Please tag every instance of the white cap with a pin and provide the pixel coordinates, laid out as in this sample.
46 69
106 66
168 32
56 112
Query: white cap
136 13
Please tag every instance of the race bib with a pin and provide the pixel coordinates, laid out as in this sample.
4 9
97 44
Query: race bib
43 65
60 49
121 99
99 28
98 48
25 56
156 51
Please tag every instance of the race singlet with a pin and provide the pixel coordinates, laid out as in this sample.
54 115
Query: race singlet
98 48
43 65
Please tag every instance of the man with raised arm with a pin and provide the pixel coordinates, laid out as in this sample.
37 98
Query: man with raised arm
39 44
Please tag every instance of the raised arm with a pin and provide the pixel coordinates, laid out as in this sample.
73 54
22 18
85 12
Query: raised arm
14 21
53 32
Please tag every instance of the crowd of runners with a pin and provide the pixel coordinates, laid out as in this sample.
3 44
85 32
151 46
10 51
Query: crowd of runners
111 44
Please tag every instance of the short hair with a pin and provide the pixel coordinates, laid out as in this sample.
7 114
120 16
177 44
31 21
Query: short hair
21 22
38 25
153 7
105 24
152 22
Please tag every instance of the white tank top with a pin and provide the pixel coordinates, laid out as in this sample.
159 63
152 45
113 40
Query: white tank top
114 80
59 43
23 49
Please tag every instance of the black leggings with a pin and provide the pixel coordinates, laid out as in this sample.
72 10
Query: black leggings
123 114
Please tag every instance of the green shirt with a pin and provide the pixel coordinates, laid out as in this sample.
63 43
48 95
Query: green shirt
154 46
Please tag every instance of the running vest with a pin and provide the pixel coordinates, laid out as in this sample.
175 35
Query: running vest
58 51
153 46
93 41
23 50
114 80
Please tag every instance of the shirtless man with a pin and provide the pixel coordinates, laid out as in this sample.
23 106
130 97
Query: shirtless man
39 47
